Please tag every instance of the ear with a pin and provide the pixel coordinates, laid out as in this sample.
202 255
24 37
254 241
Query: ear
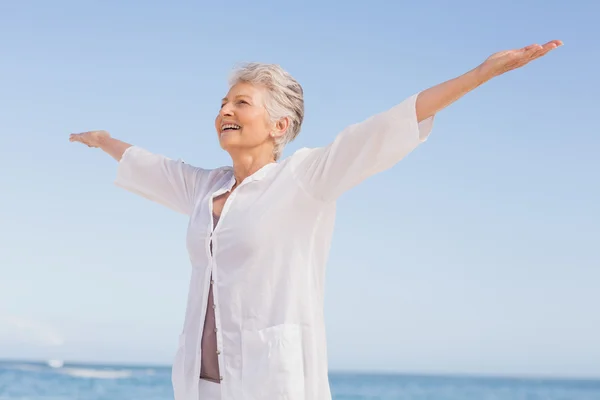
280 127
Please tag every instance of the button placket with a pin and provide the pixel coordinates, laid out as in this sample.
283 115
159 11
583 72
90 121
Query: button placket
212 250
214 273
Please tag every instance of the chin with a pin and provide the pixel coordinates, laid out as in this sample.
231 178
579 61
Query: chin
228 144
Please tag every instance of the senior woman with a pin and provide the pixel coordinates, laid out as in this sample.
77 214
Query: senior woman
259 231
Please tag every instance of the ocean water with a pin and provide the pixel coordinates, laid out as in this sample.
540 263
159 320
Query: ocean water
33 381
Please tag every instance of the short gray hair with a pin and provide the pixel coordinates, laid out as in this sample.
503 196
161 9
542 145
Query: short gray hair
285 100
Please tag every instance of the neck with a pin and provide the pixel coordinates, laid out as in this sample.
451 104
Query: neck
246 164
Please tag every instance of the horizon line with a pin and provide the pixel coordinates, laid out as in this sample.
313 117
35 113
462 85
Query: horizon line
338 371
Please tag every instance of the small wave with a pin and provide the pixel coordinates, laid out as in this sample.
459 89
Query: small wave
97 373
27 367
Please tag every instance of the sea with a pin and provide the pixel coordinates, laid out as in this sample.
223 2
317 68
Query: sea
57 381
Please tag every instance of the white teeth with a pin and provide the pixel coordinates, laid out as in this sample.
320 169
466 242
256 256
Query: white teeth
232 126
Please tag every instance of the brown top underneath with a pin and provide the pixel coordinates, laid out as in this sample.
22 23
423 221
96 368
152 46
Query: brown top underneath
210 363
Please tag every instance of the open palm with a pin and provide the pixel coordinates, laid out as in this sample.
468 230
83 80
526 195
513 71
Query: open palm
504 61
90 139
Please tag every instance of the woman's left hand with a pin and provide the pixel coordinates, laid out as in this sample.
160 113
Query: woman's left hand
504 61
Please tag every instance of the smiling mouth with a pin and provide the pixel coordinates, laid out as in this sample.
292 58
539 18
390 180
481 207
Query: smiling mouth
230 127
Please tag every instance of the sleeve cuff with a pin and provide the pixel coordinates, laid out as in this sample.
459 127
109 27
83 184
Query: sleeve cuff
419 131
123 172
425 128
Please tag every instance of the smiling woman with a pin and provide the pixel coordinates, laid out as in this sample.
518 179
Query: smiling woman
244 123
259 230
269 97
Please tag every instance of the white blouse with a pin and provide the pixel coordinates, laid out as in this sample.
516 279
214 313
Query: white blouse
270 250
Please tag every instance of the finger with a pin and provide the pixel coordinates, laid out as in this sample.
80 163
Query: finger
556 43
76 138
544 52
545 49
529 53
535 50
531 47
538 52
551 45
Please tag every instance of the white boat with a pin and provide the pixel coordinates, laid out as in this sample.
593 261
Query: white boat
56 363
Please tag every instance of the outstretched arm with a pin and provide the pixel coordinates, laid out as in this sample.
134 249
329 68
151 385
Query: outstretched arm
438 97
172 183
378 143
101 139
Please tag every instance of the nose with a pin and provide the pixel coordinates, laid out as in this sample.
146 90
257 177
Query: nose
226 110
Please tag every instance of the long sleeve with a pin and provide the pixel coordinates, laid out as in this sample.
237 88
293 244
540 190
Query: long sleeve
168 182
361 150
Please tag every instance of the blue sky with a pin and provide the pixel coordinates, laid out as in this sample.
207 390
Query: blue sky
474 255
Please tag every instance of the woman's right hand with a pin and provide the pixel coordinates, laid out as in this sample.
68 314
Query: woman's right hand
101 139
91 138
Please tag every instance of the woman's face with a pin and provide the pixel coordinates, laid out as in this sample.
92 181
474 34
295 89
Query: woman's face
243 122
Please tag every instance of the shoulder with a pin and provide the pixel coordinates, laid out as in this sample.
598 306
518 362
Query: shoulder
220 171
302 159
295 158
216 176
206 172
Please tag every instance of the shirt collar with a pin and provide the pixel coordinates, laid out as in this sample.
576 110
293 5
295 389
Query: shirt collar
258 175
